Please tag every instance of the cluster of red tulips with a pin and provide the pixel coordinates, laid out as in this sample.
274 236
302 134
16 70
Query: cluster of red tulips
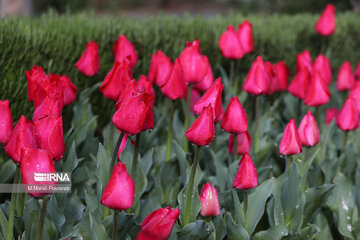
34 145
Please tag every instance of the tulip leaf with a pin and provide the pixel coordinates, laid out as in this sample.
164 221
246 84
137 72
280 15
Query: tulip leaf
273 233
220 227
197 230
56 214
235 231
102 170
305 233
239 213
7 171
97 228
4 225
183 163
322 222
72 161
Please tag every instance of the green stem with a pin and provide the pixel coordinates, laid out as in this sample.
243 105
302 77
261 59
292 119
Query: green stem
187 119
114 236
288 164
42 218
298 114
245 207
235 147
306 154
231 75
191 186
13 203
317 115
168 150
135 156
115 152
346 133
257 122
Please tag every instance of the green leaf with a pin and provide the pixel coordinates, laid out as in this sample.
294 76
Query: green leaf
72 161
7 171
235 231
55 213
305 233
102 170
181 156
197 230
97 228
322 222
220 227
238 208
273 233
4 225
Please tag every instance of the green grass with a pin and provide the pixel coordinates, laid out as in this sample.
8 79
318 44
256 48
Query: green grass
57 41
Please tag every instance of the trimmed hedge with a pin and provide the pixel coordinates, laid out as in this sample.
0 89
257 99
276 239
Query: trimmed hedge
57 41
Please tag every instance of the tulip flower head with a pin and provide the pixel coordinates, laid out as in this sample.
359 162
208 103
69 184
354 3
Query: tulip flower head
304 60
235 118
89 62
120 191
158 224
330 114
230 45
246 176
68 88
322 65
160 68
124 48
207 81
280 77
309 132
6 121
245 36
348 117
357 70
257 81
318 92
355 95
175 85
209 201
326 23
244 143
346 79
34 77
299 85
290 143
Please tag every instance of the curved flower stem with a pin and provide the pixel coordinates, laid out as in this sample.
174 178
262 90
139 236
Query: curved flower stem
187 118
115 152
42 218
288 164
235 147
168 149
114 235
257 122
13 203
191 186
346 133
135 156
245 205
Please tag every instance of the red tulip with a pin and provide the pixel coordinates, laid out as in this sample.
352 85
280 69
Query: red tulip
209 201
246 37
212 96
132 113
175 85
207 81
158 224
244 143
229 44
326 23
299 86
34 76
46 88
50 106
309 131
330 114
89 62
6 121
202 131
357 70
281 72
195 65
50 136
322 65
124 48
246 176
195 97
69 89
116 80
348 117
23 135
257 81
120 191
34 161
129 90
290 142
160 68
235 118
304 60
144 85
346 79
355 95
318 92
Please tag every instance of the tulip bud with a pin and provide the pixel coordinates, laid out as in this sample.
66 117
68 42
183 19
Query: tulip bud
308 131
116 80
357 70
89 62
244 143
245 36
355 95
68 88
346 79
304 60
195 97
207 81
175 85
257 81
246 176
50 136
212 96
46 88
131 115
330 114
229 44
202 131
144 85
326 23
124 48
23 135
50 106
34 161
235 118
299 86
290 142
34 76
281 76
6 121
322 65
158 224
120 191
160 67
209 201
194 65
318 92
348 117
